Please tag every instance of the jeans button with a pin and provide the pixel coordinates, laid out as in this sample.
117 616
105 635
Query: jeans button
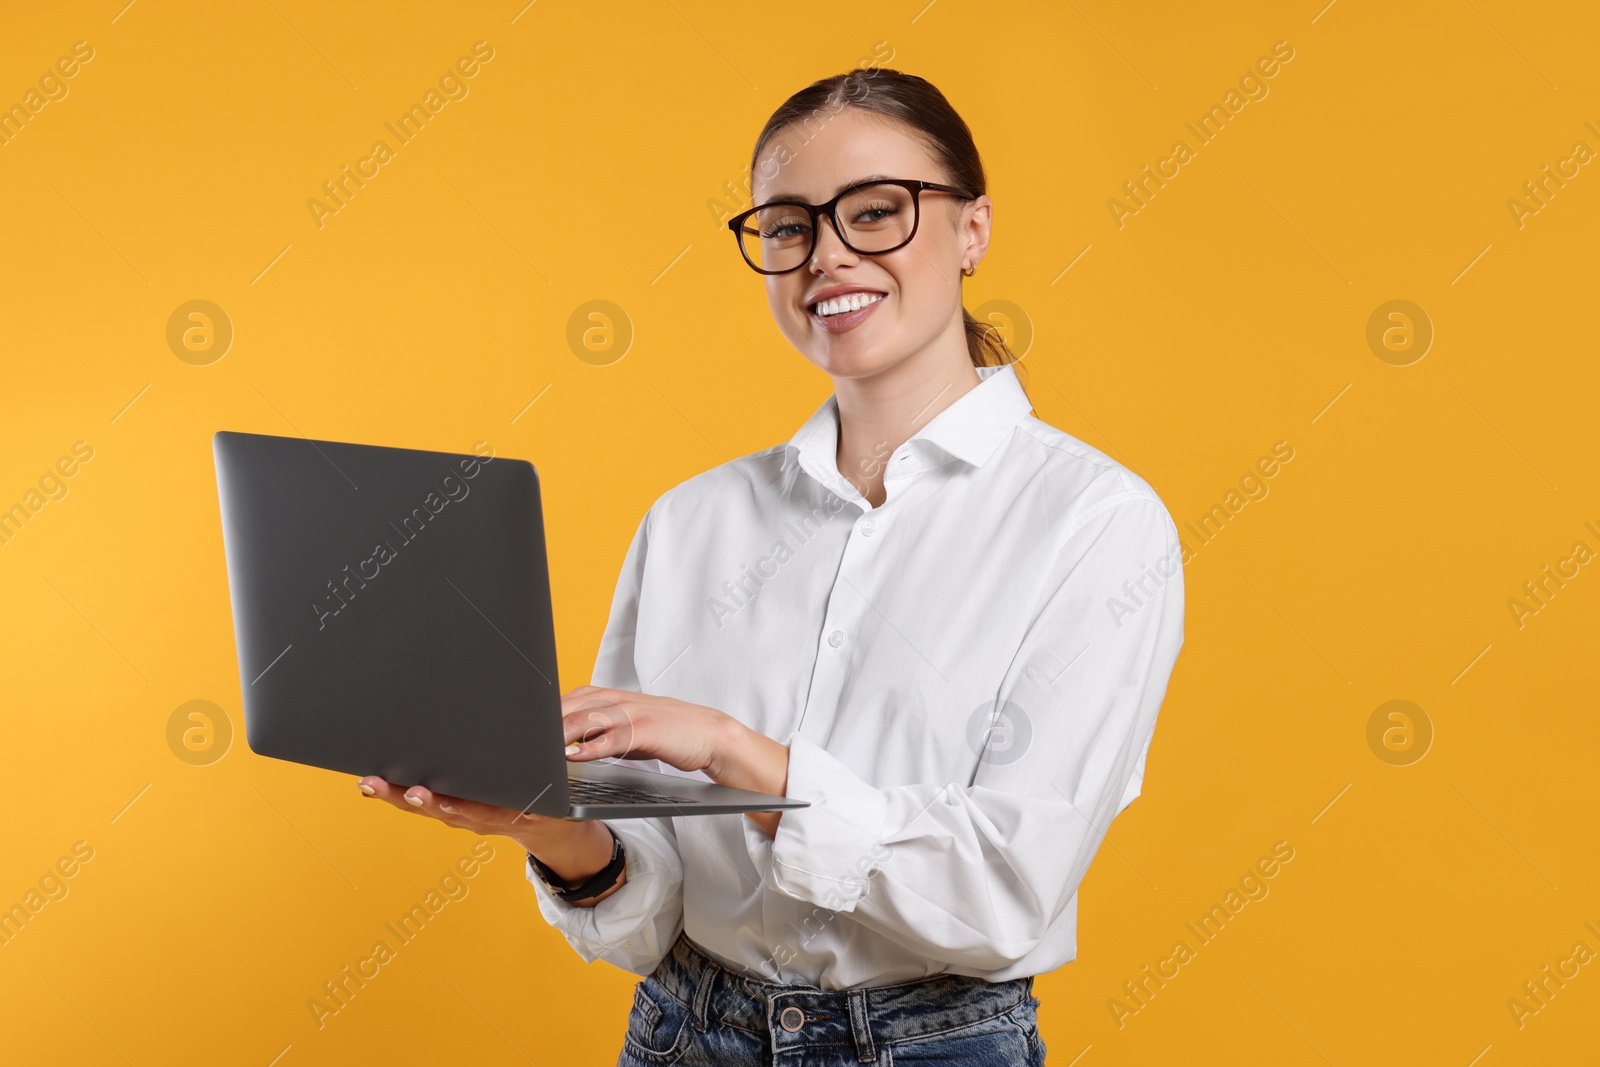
791 1019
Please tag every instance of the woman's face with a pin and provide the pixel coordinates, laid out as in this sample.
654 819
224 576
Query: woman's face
920 283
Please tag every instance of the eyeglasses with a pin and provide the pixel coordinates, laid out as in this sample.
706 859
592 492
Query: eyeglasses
870 218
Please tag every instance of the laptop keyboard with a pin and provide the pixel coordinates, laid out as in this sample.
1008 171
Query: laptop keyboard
587 791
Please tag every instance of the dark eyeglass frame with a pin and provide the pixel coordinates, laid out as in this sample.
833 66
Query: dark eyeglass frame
831 210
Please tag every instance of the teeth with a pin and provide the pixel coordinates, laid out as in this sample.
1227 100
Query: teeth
843 304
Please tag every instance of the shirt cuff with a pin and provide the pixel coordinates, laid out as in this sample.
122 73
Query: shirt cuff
825 854
594 931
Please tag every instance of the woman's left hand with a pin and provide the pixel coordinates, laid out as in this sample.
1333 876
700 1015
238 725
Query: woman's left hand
691 737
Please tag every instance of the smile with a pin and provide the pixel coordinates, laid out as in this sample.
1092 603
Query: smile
845 312
843 304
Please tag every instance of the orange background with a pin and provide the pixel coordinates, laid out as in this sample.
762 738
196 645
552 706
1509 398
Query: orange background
1230 312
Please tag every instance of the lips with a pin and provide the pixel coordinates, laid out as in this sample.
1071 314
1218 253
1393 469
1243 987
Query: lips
849 320
834 292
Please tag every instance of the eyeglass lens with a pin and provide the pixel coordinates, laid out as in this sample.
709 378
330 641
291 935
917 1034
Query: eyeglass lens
876 218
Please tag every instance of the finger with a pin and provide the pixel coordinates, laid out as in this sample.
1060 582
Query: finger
592 749
616 739
588 723
592 701
583 694
474 813
416 799
374 786
458 812
619 738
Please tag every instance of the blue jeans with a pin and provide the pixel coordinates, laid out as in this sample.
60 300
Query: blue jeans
694 1012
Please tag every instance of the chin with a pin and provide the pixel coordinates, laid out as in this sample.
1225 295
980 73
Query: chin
854 354
854 364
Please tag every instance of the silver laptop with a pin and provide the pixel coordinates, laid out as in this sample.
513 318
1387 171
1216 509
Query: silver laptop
391 610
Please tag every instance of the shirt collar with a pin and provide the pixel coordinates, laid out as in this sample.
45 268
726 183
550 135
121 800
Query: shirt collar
970 429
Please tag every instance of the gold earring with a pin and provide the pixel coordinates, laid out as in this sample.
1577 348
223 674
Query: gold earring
969 271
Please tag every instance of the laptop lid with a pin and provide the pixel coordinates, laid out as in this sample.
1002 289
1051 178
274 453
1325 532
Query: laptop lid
392 615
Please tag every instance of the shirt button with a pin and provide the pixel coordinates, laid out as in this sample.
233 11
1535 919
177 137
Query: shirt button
836 638
869 527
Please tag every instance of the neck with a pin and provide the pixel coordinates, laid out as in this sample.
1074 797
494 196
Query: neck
878 414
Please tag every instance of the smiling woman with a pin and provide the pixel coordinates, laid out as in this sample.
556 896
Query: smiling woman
872 214
956 552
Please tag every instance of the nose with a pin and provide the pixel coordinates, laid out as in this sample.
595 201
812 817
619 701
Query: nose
830 250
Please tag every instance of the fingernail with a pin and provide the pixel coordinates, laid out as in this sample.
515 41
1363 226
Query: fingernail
574 748
367 789
413 800
447 808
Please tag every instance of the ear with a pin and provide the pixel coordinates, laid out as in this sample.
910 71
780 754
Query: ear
976 220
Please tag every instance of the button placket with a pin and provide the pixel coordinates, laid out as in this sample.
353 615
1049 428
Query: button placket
838 620
842 612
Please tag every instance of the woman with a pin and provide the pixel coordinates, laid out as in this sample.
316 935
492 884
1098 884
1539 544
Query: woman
943 622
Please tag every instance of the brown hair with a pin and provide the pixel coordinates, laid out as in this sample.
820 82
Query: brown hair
916 103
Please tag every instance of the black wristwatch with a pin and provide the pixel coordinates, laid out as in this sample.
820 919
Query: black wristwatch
605 879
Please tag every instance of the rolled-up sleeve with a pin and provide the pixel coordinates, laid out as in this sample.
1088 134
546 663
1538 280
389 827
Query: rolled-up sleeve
634 927
975 872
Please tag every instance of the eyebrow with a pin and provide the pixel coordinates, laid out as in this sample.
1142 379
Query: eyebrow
776 197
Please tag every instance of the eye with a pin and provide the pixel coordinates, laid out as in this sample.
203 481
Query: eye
783 231
872 213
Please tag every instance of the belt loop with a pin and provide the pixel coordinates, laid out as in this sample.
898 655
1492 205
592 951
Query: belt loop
861 1026
702 993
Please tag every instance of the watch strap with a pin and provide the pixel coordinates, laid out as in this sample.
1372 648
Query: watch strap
603 879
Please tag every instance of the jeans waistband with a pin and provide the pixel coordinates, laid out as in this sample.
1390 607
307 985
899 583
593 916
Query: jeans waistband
796 1016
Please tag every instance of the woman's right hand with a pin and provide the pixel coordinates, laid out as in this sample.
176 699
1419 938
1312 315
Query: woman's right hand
575 850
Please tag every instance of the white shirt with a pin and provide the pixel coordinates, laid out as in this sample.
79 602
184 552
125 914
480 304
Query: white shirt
1013 578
